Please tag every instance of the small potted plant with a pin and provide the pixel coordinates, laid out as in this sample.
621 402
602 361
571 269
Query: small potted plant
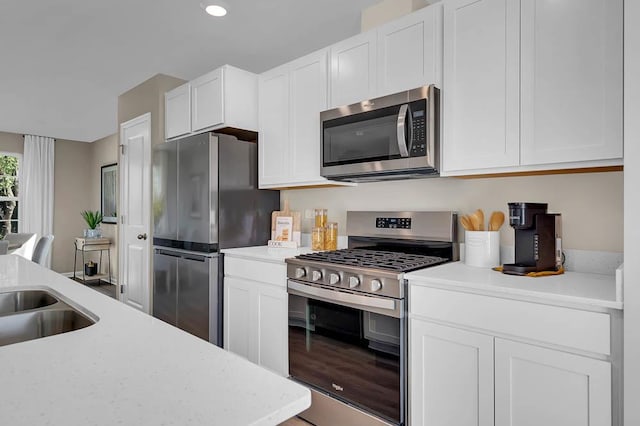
90 268
93 219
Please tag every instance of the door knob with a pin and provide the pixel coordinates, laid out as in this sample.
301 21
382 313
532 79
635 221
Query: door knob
142 236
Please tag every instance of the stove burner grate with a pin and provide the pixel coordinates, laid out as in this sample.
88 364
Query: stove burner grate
375 259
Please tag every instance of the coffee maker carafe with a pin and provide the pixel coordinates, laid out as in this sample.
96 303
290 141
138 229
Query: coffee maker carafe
538 239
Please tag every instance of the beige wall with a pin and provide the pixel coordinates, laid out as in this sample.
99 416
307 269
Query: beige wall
11 142
591 203
103 152
72 186
148 97
388 10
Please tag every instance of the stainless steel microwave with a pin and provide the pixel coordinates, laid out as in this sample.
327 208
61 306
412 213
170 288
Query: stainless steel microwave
391 137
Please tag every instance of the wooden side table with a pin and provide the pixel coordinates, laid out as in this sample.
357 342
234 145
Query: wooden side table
85 245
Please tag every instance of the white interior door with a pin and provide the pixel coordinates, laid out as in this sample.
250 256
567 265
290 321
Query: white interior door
135 200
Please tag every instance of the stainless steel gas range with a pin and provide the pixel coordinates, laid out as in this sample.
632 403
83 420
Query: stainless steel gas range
347 314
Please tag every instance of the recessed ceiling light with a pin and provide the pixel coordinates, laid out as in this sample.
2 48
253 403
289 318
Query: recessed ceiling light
215 10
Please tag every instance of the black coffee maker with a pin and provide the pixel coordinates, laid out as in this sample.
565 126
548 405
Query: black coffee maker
538 242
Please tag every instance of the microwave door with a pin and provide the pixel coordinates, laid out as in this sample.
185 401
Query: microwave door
404 130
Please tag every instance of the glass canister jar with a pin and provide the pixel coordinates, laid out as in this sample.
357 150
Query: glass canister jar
317 238
321 217
331 236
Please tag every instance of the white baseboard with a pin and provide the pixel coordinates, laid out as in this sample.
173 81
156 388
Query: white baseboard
113 280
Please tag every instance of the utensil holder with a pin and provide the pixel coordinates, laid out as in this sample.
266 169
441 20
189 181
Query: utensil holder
482 248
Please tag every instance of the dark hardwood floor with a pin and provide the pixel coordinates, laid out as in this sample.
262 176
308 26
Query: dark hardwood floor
101 287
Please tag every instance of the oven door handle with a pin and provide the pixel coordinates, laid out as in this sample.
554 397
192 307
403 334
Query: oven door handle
348 299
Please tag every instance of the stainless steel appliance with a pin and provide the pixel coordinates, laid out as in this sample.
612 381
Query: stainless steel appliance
391 137
347 314
205 198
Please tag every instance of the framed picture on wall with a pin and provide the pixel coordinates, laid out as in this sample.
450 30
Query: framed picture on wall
108 195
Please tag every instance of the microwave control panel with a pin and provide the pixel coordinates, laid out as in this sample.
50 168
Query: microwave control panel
419 129
393 222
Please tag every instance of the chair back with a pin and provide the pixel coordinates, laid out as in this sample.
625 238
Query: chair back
4 246
42 249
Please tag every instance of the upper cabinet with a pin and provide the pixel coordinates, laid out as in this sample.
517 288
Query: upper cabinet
410 51
401 55
177 104
224 97
353 69
290 101
531 85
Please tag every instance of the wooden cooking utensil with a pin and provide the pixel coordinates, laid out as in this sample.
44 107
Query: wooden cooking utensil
466 223
477 219
495 221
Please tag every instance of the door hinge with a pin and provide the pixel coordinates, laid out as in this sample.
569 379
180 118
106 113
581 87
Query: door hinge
121 288
122 148
122 219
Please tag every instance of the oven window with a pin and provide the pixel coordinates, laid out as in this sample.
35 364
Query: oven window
351 354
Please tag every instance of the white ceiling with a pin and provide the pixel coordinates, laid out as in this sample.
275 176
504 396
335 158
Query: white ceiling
63 63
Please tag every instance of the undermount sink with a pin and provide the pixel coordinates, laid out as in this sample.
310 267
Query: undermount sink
33 314
17 301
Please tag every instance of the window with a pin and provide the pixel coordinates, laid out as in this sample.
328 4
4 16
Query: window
9 168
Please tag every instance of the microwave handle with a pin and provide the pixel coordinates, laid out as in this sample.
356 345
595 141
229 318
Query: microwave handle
403 146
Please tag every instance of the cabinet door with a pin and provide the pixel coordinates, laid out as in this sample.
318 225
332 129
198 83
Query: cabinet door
273 118
308 94
450 376
238 317
481 85
571 80
177 111
410 51
536 386
272 328
207 100
353 70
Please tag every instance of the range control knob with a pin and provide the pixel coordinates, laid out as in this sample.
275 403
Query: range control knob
354 282
376 285
334 278
316 275
300 272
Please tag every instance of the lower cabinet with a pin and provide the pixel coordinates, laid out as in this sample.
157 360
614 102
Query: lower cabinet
538 386
451 376
255 322
458 377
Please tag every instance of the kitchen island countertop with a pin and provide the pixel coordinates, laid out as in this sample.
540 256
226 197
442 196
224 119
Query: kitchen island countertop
131 369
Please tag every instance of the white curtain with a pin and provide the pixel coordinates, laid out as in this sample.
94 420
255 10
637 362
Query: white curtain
36 187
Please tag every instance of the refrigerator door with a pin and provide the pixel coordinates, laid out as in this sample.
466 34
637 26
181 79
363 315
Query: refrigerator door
165 285
165 190
194 283
197 189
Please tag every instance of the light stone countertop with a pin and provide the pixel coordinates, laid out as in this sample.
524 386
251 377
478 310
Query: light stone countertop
573 289
265 253
130 369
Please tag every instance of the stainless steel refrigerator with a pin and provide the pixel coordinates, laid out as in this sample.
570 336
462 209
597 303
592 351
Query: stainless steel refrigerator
205 199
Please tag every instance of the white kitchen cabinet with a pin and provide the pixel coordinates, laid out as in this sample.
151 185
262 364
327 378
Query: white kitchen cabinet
450 376
224 97
255 312
410 51
177 107
538 386
291 99
571 70
531 85
353 69
481 84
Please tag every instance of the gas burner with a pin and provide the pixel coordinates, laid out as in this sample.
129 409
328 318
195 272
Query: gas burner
375 259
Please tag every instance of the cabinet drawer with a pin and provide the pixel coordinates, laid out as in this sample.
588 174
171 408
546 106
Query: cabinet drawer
582 330
266 272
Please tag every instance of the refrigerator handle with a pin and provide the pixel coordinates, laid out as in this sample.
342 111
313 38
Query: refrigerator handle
168 253
195 258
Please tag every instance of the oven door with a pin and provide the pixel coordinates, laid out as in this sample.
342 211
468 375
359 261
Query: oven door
349 346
